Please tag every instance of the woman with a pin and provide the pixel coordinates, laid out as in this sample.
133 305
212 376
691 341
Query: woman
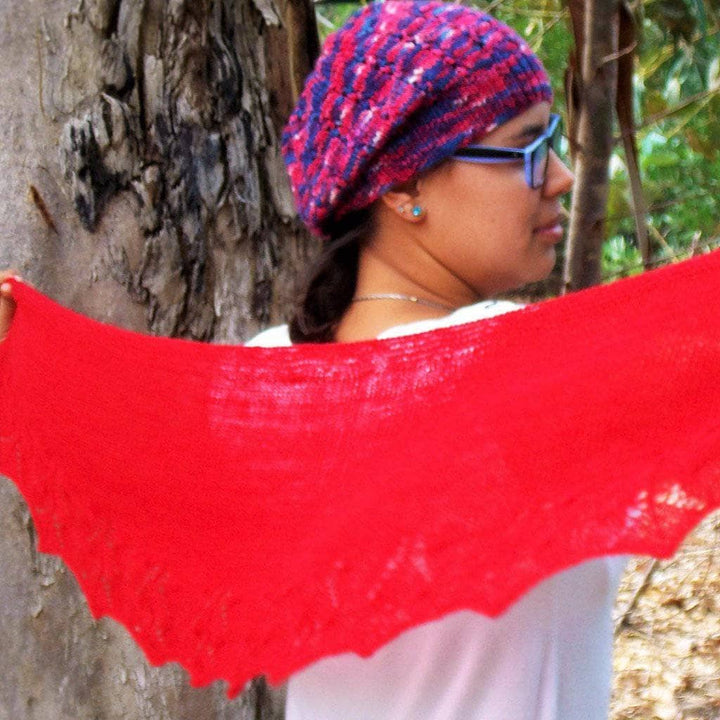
373 150
421 151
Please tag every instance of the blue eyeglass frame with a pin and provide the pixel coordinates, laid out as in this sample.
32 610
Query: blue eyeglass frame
535 155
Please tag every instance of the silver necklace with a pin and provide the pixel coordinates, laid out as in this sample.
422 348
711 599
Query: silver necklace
407 298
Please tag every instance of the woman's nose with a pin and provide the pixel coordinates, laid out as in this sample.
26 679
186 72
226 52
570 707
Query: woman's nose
559 178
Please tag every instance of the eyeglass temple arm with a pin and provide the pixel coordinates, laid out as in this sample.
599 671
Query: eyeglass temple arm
486 159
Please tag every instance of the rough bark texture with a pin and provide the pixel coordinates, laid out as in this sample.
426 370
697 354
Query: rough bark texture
591 102
143 186
628 41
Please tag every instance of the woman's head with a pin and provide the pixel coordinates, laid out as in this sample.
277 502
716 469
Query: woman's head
484 228
395 94
397 90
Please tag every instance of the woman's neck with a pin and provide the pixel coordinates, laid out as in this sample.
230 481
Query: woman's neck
366 319
387 295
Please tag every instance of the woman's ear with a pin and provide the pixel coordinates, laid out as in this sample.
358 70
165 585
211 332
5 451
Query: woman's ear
403 201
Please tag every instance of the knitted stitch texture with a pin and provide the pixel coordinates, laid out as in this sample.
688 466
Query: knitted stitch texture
395 91
246 510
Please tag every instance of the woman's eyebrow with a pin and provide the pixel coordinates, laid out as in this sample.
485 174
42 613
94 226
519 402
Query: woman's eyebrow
530 132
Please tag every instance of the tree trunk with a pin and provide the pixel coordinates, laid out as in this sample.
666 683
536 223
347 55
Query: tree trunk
591 102
143 186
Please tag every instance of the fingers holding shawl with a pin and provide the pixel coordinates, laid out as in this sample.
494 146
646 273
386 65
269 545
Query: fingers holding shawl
7 303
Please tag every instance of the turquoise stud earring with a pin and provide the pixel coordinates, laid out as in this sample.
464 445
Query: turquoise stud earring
417 211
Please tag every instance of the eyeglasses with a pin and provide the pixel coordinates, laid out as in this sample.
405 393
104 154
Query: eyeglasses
535 155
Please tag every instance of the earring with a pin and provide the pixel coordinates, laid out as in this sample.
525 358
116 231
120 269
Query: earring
417 211
401 209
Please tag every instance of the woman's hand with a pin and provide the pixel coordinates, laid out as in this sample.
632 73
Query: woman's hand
7 304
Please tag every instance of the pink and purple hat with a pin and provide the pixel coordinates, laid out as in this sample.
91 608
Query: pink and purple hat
399 88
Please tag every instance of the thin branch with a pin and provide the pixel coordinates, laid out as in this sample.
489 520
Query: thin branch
701 105
620 53
663 242
657 117
491 6
659 206
695 249
667 52
623 620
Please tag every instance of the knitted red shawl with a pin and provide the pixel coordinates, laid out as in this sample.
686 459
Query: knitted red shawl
249 510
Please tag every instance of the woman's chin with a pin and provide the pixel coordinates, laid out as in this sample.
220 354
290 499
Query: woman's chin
545 265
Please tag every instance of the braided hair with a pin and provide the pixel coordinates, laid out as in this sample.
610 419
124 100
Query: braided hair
331 282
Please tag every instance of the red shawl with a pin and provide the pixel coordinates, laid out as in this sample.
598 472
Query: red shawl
249 510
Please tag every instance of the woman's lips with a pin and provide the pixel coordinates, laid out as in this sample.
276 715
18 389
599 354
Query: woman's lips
550 232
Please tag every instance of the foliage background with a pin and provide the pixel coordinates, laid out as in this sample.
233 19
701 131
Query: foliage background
677 111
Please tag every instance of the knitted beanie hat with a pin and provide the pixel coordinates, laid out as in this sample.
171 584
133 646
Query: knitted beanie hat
400 87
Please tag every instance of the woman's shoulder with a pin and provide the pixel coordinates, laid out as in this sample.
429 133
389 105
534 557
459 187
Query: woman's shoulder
469 313
277 336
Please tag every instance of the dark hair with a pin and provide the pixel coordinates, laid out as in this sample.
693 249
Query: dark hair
331 282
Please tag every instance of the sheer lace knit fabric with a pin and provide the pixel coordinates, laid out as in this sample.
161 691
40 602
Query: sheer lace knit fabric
246 510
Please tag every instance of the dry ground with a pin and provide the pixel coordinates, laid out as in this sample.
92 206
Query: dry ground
667 649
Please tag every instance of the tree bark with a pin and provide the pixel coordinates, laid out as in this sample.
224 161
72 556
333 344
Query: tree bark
591 102
143 186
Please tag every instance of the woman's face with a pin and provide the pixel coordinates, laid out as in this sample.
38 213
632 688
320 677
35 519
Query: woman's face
484 225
